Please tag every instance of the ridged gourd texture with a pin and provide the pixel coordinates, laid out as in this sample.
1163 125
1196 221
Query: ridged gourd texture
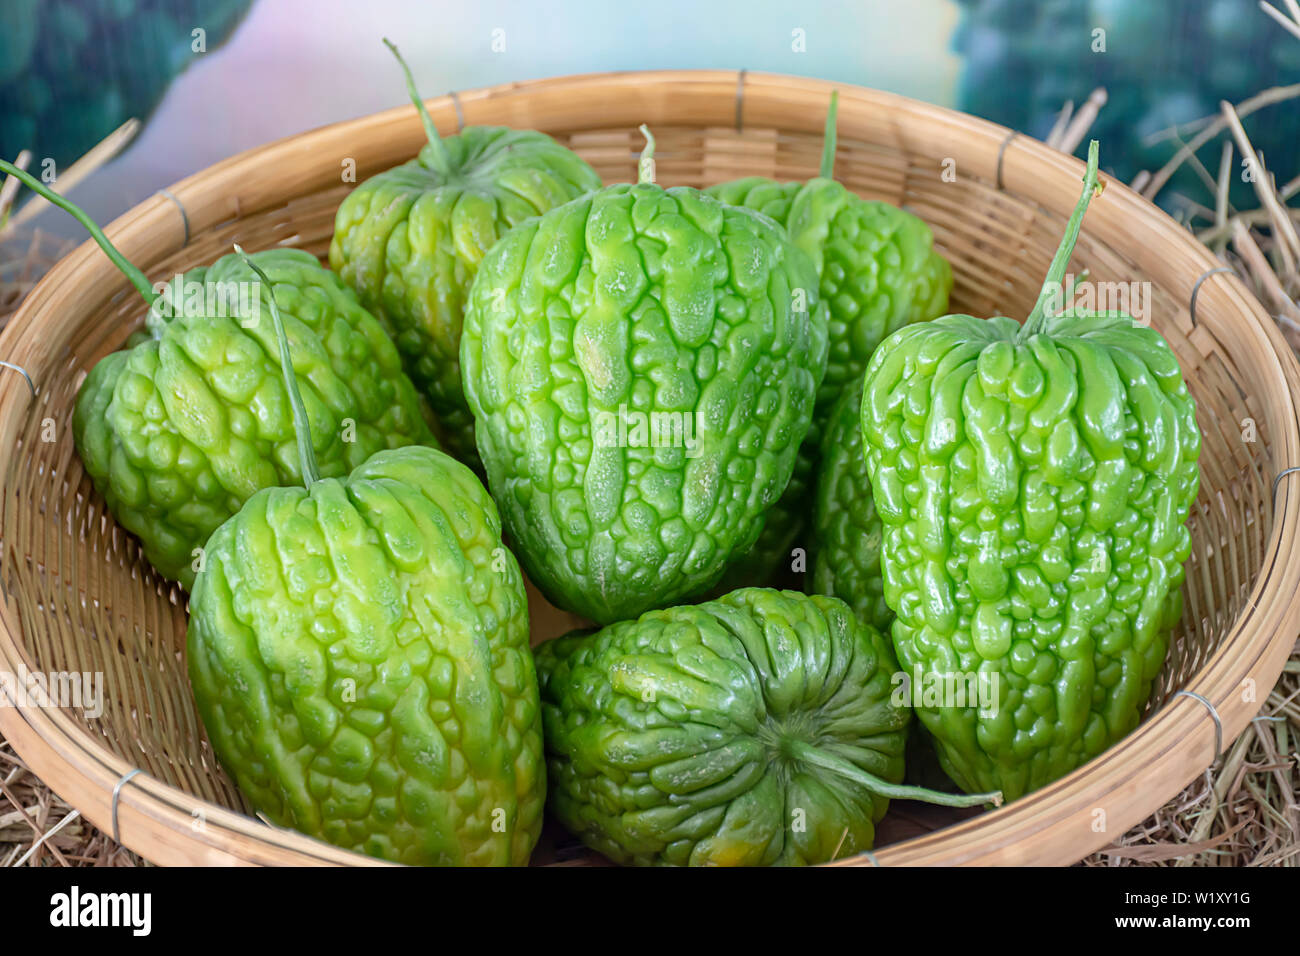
878 271
773 555
876 264
846 531
771 198
359 655
410 241
180 429
640 301
667 737
1034 495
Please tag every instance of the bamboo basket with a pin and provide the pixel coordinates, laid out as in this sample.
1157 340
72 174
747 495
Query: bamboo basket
78 596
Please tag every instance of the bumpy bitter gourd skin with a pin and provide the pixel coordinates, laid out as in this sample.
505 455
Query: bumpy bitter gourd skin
638 300
876 263
771 198
679 738
1034 485
773 554
410 241
878 271
180 429
785 520
359 656
845 527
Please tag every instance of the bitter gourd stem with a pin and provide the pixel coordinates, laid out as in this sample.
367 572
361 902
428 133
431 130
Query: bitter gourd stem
138 278
828 138
441 159
301 427
894 791
646 167
1037 321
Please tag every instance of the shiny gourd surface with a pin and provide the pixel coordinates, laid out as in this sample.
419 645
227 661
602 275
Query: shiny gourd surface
359 656
877 271
685 737
410 240
358 652
179 429
846 530
640 301
1034 484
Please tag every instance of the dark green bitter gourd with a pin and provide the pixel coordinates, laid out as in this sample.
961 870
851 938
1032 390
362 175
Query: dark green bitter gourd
759 729
1034 484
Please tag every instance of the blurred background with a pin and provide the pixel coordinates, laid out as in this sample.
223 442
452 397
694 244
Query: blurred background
209 78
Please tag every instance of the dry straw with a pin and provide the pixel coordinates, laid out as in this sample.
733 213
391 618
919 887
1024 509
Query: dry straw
1243 810
78 596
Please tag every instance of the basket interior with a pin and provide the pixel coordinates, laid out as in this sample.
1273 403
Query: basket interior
89 602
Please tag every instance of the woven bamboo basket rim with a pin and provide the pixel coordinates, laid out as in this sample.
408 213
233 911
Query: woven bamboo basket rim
1054 825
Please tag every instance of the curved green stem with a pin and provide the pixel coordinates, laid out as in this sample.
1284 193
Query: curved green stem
441 158
301 427
645 172
894 791
828 138
1037 320
138 278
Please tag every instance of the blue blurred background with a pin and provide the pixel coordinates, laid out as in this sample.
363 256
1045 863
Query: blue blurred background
71 71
